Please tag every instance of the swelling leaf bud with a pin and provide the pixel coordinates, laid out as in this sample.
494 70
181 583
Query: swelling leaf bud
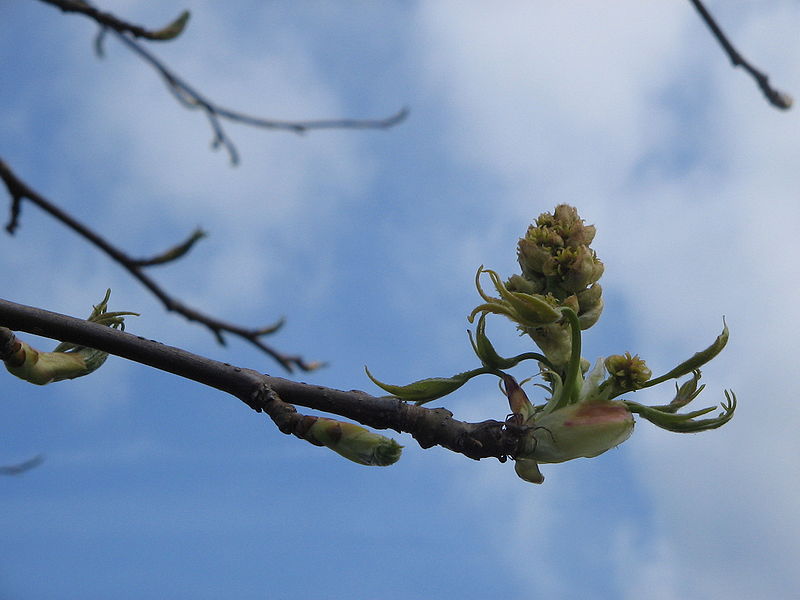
582 430
67 360
425 390
354 442
41 368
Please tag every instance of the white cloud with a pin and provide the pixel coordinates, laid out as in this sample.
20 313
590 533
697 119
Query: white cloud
628 110
569 102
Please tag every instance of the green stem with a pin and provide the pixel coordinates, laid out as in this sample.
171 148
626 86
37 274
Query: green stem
572 378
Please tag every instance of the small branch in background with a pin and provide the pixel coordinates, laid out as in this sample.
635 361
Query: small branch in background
19 191
20 468
190 98
172 253
775 97
105 19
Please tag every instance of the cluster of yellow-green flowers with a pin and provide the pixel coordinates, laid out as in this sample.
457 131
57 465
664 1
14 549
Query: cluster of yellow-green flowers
556 296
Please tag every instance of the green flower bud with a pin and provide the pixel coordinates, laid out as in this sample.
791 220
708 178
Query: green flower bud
571 227
627 372
555 341
590 316
578 267
545 236
517 283
534 258
589 298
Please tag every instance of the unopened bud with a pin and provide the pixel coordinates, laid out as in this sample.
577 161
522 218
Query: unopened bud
629 372
582 430
354 442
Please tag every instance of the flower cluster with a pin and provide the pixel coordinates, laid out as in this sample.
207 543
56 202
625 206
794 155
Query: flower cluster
555 298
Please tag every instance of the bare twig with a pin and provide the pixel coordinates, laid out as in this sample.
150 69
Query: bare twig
20 468
172 253
429 426
775 97
190 98
105 19
19 190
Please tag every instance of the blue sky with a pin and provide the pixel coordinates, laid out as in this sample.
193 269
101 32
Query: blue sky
368 243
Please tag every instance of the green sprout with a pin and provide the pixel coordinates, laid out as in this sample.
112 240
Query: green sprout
66 361
555 298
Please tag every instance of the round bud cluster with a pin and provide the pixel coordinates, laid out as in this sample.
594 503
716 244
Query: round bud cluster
556 260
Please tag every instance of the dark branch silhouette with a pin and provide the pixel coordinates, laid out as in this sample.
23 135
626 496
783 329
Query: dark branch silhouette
19 191
105 19
429 426
775 97
190 98
22 467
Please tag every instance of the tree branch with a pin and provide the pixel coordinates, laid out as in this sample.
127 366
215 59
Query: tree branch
775 97
105 19
190 98
20 468
430 427
19 190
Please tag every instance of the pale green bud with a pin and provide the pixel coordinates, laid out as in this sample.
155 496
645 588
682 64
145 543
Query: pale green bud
354 442
627 372
582 430
41 368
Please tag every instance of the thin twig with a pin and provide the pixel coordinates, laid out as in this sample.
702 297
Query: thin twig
106 19
20 468
190 98
19 190
775 97
429 426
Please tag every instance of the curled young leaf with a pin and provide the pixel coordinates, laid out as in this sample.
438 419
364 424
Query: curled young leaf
527 310
425 390
696 361
489 357
686 422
